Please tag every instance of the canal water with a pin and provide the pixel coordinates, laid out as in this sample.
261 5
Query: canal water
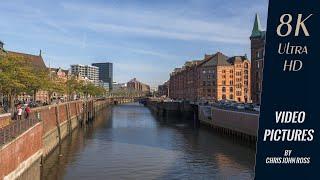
128 142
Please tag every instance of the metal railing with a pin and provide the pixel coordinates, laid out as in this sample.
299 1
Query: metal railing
16 128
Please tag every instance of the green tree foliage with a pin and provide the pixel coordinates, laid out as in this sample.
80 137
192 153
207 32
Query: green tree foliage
16 76
55 85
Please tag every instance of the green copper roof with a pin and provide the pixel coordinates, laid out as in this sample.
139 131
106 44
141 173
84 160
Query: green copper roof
256 30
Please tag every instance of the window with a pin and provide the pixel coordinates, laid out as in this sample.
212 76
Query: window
223 96
238 93
231 89
231 96
223 89
231 82
231 71
223 71
223 82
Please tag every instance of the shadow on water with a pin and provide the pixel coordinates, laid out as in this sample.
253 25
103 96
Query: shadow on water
55 164
128 142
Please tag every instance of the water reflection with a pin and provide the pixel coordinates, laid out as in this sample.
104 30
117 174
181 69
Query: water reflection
127 142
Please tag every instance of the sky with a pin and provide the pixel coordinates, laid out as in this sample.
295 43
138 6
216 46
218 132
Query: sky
143 39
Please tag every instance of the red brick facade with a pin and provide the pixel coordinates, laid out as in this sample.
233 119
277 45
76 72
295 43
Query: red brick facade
216 77
13 154
134 84
183 82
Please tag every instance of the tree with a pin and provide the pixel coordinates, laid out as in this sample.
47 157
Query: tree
39 81
55 85
72 86
89 89
16 76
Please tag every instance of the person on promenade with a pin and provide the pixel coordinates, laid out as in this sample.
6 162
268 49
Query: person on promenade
19 112
28 111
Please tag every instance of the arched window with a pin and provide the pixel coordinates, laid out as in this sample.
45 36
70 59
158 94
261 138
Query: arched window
231 96
223 96
223 89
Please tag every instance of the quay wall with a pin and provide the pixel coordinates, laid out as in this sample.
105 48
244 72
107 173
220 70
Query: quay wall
21 158
240 124
21 153
243 122
165 109
235 123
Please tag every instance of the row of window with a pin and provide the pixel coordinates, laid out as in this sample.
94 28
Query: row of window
224 71
224 76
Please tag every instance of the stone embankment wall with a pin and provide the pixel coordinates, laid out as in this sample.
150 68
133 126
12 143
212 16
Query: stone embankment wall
240 124
21 158
235 123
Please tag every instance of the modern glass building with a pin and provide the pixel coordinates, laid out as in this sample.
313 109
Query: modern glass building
105 72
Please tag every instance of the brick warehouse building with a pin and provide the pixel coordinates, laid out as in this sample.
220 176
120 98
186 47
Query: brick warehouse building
257 57
134 84
163 90
216 77
183 81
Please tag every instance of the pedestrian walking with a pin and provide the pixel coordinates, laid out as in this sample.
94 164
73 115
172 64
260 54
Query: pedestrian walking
27 111
19 112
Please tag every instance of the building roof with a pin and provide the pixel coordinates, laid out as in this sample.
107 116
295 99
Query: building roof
35 60
217 59
134 80
234 59
257 30
59 69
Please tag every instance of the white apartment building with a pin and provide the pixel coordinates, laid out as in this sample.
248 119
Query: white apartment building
86 71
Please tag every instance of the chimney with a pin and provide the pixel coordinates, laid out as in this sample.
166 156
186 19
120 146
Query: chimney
40 54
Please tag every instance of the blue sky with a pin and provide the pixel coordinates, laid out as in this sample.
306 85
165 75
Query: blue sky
144 39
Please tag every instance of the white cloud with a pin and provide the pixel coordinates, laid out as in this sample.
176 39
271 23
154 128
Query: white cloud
159 24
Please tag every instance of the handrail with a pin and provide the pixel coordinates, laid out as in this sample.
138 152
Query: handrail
16 128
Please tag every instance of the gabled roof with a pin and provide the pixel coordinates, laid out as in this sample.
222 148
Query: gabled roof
218 59
35 60
59 69
234 59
